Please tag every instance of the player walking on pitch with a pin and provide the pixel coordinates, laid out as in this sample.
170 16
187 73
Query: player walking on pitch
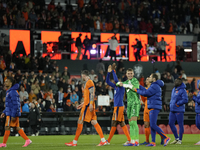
118 114
133 106
177 108
146 117
154 101
12 112
87 113
196 99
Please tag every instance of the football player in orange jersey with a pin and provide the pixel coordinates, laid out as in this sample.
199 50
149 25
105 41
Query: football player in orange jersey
87 113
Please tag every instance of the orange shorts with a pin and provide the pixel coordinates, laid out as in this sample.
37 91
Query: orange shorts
10 123
86 115
118 114
146 116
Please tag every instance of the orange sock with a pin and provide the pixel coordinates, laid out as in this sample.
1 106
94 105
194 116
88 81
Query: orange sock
147 133
78 131
6 135
99 130
22 134
112 132
124 128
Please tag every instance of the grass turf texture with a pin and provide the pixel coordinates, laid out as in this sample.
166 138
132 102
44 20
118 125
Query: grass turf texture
90 142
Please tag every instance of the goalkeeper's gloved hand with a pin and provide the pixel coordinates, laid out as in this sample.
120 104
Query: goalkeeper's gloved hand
129 86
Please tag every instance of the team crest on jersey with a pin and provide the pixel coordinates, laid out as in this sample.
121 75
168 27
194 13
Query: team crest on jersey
176 92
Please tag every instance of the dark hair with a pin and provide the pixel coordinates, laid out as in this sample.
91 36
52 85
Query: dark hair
34 98
180 79
11 80
85 72
154 75
129 69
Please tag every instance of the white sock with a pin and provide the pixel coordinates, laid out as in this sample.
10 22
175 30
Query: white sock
74 142
132 141
177 139
137 140
103 139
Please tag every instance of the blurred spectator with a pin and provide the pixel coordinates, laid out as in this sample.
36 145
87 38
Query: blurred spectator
100 76
175 74
74 97
54 87
188 86
193 85
69 106
78 45
178 66
35 87
25 107
100 66
182 75
31 96
34 118
92 75
23 94
40 105
169 78
51 108
158 73
78 93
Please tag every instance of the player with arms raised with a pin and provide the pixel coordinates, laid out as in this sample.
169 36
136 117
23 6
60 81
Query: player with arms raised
12 112
118 114
133 106
87 113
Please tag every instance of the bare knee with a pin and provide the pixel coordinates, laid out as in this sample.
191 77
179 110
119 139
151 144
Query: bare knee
93 122
114 123
17 129
122 123
7 128
146 124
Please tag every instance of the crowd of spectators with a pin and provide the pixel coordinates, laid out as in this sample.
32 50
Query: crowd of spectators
130 16
42 83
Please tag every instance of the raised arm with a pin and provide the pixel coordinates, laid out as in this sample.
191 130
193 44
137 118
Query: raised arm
108 80
115 76
196 99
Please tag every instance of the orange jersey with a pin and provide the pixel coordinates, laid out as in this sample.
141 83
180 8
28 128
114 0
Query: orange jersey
89 84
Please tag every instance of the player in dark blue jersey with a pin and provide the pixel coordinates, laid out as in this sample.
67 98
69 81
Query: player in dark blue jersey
118 113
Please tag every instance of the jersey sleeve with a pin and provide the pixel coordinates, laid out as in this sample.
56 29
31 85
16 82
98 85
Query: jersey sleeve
89 84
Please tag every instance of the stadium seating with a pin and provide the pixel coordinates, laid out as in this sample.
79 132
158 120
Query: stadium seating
194 129
187 129
164 128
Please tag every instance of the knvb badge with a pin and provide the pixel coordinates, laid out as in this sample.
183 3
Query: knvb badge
138 70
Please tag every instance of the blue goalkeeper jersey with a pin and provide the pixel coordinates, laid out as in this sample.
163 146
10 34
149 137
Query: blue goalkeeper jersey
118 91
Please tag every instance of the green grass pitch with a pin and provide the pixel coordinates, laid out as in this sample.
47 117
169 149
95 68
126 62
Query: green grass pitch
87 142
